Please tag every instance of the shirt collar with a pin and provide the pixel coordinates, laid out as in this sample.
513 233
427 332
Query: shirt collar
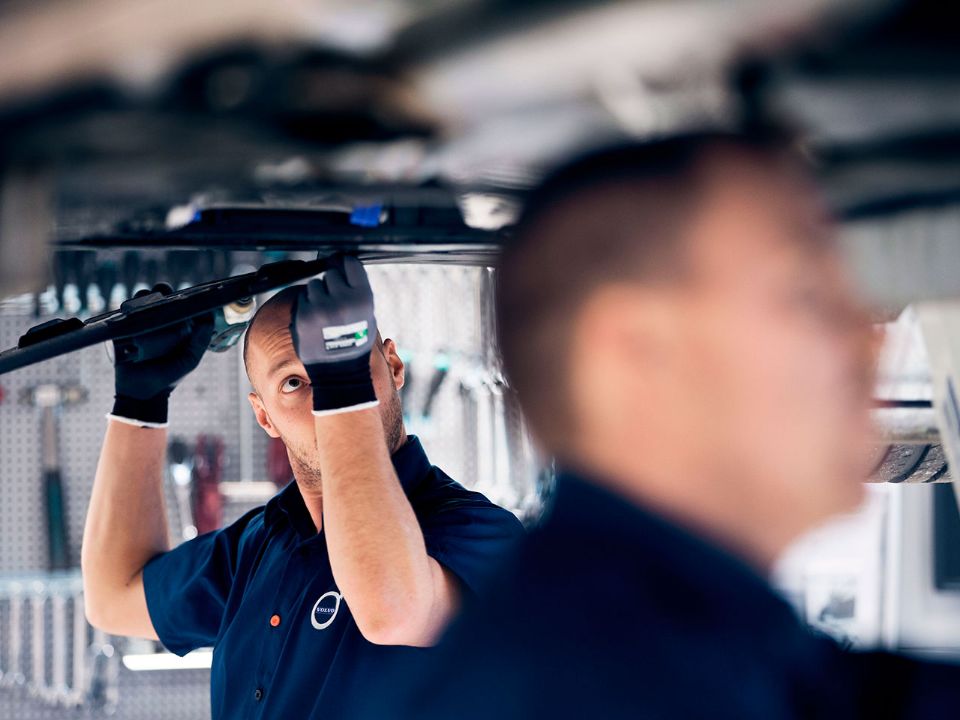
410 462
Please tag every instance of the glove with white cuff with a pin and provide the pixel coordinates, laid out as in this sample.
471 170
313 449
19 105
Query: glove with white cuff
333 329
147 368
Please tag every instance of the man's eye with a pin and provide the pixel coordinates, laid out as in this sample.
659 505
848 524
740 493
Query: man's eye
291 384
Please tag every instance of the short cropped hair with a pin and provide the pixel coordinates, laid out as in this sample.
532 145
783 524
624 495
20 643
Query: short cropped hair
285 298
616 214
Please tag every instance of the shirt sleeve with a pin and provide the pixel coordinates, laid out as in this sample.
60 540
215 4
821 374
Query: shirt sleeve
465 532
187 587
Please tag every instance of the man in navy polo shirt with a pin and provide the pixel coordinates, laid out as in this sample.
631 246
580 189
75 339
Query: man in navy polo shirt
363 558
677 323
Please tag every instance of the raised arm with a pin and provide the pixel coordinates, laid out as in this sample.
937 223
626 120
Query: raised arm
126 525
126 522
397 594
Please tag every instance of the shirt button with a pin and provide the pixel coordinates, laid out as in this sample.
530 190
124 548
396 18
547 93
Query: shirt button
274 620
258 694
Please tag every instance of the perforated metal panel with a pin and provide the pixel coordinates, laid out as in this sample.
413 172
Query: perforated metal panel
204 403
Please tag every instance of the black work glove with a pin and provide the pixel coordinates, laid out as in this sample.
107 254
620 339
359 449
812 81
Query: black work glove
147 369
333 329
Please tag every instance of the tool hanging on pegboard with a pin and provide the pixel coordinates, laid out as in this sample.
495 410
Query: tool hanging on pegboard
86 282
51 654
207 472
51 398
180 472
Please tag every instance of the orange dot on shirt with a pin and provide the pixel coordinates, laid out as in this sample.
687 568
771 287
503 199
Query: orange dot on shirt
274 620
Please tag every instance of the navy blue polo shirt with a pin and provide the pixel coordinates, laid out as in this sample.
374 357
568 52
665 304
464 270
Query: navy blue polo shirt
261 592
611 611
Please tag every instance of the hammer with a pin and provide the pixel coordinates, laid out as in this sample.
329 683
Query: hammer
50 398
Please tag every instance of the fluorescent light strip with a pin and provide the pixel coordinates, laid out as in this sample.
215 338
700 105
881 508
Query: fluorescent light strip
196 660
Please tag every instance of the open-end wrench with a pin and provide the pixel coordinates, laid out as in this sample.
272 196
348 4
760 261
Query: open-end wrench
37 681
58 680
14 676
80 639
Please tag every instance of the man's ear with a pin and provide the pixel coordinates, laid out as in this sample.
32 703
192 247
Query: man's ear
623 343
263 420
634 322
397 370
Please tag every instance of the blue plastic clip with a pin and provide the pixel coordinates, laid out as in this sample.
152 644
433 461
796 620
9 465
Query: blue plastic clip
366 215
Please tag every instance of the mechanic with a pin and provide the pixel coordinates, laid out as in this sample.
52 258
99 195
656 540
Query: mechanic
683 339
346 571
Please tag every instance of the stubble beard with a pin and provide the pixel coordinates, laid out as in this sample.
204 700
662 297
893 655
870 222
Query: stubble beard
306 466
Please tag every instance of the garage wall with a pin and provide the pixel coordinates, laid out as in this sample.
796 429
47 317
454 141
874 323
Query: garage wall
432 312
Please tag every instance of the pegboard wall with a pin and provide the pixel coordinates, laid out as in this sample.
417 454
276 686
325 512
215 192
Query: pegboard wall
205 402
434 313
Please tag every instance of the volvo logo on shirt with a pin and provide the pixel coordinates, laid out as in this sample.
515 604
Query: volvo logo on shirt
325 610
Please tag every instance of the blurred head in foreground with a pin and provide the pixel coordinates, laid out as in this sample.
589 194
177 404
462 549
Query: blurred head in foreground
677 323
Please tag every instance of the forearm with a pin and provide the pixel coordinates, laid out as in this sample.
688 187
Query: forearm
126 521
375 544
397 594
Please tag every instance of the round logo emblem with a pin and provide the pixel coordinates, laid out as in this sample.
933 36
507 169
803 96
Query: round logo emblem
325 610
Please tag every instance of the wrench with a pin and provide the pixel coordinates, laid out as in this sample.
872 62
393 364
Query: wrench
37 682
58 682
79 650
15 677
